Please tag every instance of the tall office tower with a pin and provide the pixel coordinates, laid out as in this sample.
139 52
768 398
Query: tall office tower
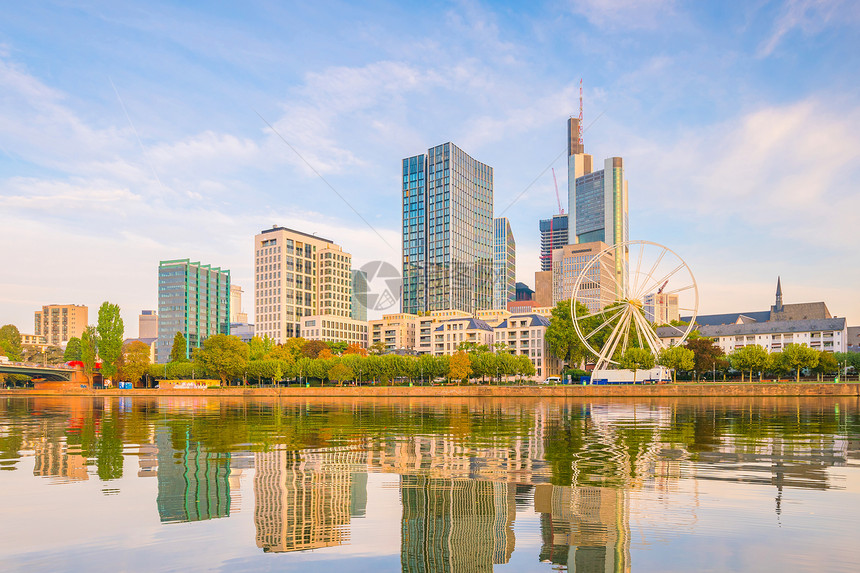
236 314
597 200
193 299
504 263
60 322
358 302
298 275
553 235
147 324
447 231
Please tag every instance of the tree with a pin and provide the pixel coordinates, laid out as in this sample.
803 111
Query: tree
677 358
89 350
73 350
459 366
797 357
134 361
561 337
224 355
776 364
636 359
179 350
325 354
707 353
377 348
110 332
752 358
340 372
355 348
259 348
313 348
336 348
826 364
525 366
10 342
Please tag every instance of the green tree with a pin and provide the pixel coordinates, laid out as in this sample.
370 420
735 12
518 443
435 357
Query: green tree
459 367
110 332
776 364
797 357
636 359
73 349
561 337
89 350
707 353
377 348
223 355
10 342
340 372
337 348
752 358
525 366
826 364
179 350
260 348
677 358
134 361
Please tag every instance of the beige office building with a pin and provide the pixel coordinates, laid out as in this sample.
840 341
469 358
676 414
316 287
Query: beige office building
396 331
331 328
236 314
147 324
297 275
600 285
60 322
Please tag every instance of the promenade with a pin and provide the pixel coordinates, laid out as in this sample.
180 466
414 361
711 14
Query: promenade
563 391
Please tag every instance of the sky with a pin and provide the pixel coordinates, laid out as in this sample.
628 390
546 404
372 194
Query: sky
137 132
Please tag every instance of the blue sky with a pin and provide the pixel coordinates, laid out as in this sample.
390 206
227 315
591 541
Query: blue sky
132 133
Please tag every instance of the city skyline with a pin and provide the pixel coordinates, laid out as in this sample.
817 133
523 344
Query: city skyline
153 142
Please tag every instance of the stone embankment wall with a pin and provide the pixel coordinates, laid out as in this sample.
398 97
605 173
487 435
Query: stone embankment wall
573 391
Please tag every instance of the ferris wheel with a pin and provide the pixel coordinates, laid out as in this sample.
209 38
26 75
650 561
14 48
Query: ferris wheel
616 303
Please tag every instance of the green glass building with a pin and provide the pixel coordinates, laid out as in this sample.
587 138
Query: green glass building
193 299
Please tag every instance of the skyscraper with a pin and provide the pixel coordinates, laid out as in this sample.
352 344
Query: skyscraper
504 263
553 235
193 299
298 275
358 302
447 231
147 324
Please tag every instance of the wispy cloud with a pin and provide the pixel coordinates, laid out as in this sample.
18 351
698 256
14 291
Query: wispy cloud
809 17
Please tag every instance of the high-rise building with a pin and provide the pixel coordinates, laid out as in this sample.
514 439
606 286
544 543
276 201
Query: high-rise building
597 200
358 302
661 308
193 299
60 322
447 231
298 275
147 324
553 235
598 289
236 314
504 263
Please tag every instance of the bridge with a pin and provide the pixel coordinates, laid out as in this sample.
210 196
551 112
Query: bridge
55 373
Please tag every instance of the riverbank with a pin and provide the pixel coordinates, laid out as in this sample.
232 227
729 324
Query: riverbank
851 389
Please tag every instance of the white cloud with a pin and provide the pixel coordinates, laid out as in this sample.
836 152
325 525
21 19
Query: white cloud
810 17
624 14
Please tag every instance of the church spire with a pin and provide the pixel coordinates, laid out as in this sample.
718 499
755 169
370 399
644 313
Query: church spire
778 306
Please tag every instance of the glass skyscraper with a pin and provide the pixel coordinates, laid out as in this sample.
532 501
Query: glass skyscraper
504 263
193 299
553 235
447 231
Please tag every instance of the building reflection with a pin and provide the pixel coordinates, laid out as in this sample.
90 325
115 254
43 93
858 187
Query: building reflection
455 524
52 459
193 483
584 529
305 500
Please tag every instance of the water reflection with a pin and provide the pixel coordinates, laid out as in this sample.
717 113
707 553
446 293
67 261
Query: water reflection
465 470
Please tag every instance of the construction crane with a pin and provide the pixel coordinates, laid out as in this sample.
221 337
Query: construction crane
557 196
660 290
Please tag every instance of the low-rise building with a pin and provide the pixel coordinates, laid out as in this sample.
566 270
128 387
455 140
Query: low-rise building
450 334
395 331
60 322
332 328
525 334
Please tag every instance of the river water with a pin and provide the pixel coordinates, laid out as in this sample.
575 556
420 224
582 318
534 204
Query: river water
421 485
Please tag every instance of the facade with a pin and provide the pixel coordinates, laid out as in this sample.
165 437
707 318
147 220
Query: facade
331 328
151 342
828 334
60 322
524 292
395 331
193 299
450 334
236 314
447 231
504 263
39 342
598 289
525 334
543 288
298 275
244 330
147 324
358 302
553 235
661 308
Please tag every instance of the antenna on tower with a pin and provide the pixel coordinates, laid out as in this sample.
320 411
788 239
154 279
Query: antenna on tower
580 111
